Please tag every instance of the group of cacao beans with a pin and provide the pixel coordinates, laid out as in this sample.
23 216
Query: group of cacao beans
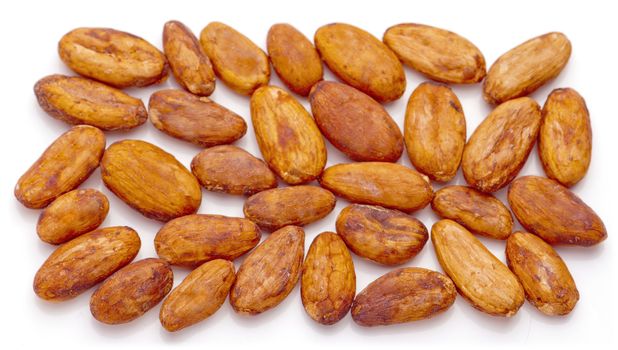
349 114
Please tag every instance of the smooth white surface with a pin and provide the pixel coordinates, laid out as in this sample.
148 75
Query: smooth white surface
30 33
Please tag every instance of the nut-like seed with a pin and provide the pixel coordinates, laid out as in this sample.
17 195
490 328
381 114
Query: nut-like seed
386 236
241 65
71 215
194 119
270 272
355 123
500 145
199 295
565 137
116 58
361 60
435 131
81 263
386 184
77 100
294 58
526 67
64 165
439 54
195 239
403 295
232 170
479 212
132 291
546 279
288 138
328 282
295 205
150 180
553 212
190 65
479 276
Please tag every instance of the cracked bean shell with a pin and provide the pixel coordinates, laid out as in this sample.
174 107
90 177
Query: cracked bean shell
81 263
403 295
71 215
294 58
192 240
361 60
132 291
64 165
565 137
270 272
232 170
113 57
525 68
386 236
294 205
328 282
77 100
287 135
355 123
501 144
189 63
236 60
554 213
480 277
150 180
199 295
435 131
194 119
546 279
389 185
441 55
479 212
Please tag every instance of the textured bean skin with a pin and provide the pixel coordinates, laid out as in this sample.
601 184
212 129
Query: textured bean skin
287 135
77 100
199 296
546 279
525 68
403 295
386 236
189 63
385 184
150 180
64 165
479 212
232 170
194 119
71 215
113 57
355 123
328 282
295 205
435 131
554 213
361 60
132 291
270 272
236 60
192 240
294 58
565 137
500 145
480 277
81 263
437 53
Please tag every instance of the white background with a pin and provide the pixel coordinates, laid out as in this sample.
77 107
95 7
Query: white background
30 33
